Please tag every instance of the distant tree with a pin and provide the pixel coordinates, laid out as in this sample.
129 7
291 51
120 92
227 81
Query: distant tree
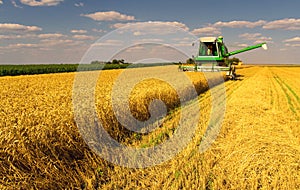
190 61
95 62
115 61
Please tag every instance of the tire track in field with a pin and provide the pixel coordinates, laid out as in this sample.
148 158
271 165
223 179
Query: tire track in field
290 77
280 102
291 97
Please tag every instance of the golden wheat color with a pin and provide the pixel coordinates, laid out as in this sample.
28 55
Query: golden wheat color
258 146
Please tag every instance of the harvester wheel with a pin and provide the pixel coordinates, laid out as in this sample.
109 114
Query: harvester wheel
233 76
232 73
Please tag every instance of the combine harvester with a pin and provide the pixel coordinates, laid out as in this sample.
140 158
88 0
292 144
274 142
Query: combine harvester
213 57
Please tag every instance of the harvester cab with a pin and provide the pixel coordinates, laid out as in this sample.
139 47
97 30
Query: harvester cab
213 57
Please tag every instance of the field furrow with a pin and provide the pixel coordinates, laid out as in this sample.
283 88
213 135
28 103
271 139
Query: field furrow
290 78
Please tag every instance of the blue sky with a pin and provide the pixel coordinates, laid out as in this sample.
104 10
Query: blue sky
61 31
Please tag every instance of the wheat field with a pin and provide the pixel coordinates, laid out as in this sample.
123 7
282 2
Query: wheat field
258 146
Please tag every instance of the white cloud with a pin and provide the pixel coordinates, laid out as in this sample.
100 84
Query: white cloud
8 37
51 35
292 42
135 48
83 37
284 24
41 2
137 33
250 36
32 36
263 39
1 2
18 27
240 24
256 38
55 42
149 24
79 4
15 4
12 37
152 28
98 30
78 31
109 43
292 45
208 31
295 39
109 16
215 29
148 40
242 45
13 46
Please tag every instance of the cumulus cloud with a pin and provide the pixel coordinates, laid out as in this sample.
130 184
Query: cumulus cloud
98 30
295 39
32 36
240 24
292 45
109 16
18 27
284 24
83 37
79 4
20 45
250 36
209 30
263 39
256 37
109 43
55 42
41 2
78 31
12 37
242 45
292 42
15 4
151 28
215 29
51 35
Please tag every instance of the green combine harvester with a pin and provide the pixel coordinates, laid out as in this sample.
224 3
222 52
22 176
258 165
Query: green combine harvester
213 57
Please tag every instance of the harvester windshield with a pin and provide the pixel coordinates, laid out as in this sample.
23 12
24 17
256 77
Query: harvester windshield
208 49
